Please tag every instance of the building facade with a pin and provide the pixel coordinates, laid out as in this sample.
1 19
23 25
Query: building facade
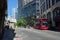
31 9
17 14
27 1
21 5
13 13
50 9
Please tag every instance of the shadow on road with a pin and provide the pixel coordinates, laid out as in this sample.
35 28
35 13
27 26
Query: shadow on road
8 34
54 29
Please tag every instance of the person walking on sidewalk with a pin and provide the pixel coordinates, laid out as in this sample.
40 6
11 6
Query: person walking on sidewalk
7 26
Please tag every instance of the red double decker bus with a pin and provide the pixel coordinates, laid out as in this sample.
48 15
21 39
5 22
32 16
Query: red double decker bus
41 23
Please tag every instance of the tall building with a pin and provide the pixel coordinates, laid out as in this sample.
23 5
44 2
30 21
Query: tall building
31 9
27 1
21 4
50 9
17 14
13 12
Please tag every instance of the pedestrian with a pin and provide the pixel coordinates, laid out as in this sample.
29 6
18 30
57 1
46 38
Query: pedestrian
7 26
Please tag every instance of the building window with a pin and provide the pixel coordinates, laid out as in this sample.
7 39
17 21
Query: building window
37 0
33 4
41 11
44 16
46 4
49 3
43 7
53 2
49 16
41 1
57 1
37 10
55 14
58 12
37 4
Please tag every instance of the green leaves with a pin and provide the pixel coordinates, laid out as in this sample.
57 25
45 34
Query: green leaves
30 21
21 22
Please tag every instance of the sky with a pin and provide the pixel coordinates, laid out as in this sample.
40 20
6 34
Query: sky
12 4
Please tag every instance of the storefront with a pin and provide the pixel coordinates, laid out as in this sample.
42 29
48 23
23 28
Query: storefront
49 20
56 16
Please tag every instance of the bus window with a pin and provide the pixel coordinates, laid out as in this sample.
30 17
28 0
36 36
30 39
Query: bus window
37 22
44 24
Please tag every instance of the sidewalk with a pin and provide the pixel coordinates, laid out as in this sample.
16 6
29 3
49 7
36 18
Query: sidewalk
8 34
17 37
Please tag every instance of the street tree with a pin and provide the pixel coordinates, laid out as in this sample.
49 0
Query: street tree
21 22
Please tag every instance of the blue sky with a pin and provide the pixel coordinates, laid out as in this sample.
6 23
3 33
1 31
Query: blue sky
12 4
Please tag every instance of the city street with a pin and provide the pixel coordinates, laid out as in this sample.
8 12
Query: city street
18 18
33 34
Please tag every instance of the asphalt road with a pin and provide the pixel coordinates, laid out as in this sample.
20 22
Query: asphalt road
33 34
